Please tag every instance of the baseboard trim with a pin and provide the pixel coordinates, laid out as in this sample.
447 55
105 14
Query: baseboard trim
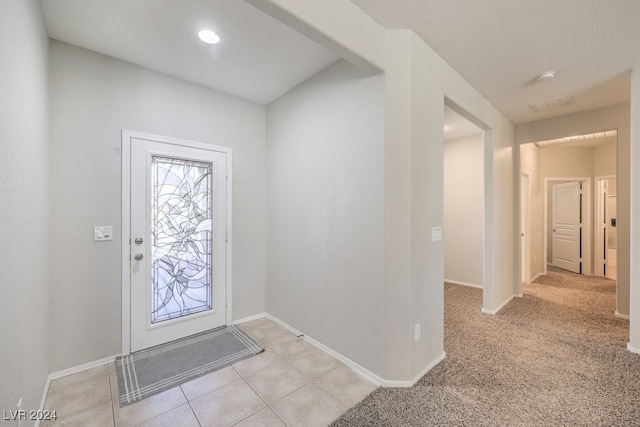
249 318
411 383
83 367
45 393
375 379
500 307
73 370
456 282
621 316
350 363
536 277
632 349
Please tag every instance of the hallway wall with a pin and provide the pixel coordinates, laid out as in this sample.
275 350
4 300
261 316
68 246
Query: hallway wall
464 210
326 211
24 205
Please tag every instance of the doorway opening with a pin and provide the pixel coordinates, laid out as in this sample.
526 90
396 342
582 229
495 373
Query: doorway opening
464 201
559 166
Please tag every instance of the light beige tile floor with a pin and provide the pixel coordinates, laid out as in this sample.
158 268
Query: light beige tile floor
291 383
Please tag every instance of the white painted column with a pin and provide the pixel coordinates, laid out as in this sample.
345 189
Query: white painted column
634 250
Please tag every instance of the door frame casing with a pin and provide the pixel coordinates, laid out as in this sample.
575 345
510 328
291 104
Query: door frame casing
525 217
587 227
598 254
127 136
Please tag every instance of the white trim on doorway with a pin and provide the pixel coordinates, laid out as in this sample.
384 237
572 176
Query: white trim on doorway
127 135
598 231
525 229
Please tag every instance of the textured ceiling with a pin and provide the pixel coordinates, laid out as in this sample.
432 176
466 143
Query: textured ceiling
258 58
501 46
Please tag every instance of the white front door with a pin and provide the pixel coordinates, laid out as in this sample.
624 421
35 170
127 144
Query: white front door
566 231
178 234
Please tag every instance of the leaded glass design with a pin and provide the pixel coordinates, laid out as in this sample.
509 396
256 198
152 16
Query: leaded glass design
181 233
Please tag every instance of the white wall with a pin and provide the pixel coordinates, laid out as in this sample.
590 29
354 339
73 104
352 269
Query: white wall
634 209
416 81
24 205
530 164
94 97
325 211
604 159
463 210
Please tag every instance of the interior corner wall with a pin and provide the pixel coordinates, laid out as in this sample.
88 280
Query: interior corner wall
92 99
634 206
325 241
615 117
530 164
416 81
24 205
463 210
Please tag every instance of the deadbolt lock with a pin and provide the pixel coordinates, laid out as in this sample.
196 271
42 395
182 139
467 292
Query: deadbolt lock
138 240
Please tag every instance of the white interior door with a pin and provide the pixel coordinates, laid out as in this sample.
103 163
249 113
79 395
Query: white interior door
178 241
566 226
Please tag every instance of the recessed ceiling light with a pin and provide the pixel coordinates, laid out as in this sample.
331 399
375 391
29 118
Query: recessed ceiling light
209 36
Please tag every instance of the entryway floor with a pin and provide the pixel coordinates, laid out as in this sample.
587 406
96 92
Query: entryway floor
291 383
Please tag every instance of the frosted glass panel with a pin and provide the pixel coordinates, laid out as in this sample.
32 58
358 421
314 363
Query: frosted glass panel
181 232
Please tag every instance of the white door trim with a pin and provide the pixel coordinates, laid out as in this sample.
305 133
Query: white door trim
597 226
127 135
525 239
587 227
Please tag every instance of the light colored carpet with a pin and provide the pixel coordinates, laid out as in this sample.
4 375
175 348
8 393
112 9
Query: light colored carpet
556 357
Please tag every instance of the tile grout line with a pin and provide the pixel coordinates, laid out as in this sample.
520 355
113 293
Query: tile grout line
113 411
190 407
267 405
257 394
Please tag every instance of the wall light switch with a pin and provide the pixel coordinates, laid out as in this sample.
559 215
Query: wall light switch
436 234
102 233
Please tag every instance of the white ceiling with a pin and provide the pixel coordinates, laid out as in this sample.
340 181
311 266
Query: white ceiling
501 46
258 58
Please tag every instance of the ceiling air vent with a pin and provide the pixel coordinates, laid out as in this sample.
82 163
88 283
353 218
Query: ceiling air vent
550 104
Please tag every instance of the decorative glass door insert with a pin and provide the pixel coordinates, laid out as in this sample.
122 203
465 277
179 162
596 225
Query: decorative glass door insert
178 247
181 230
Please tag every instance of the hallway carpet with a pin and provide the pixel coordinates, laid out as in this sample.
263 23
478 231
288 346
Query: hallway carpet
555 357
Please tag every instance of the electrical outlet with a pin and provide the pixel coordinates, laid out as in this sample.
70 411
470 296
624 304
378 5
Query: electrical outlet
416 332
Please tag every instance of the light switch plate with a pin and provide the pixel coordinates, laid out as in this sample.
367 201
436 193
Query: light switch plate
102 233
436 234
